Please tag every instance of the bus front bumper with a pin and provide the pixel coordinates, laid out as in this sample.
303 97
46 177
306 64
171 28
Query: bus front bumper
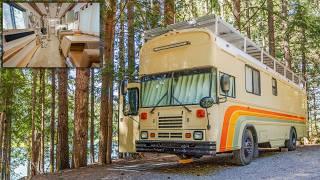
192 148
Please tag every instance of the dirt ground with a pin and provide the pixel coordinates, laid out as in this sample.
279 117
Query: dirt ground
304 163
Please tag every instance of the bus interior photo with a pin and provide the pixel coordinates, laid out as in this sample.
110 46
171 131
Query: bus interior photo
51 35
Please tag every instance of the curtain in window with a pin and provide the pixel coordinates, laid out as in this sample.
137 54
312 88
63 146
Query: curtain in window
214 85
256 82
84 20
249 79
232 90
191 88
95 19
154 90
90 19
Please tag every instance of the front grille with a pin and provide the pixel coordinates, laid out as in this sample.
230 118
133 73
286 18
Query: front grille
168 135
170 122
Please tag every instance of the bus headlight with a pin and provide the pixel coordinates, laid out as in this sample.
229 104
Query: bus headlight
144 135
198 135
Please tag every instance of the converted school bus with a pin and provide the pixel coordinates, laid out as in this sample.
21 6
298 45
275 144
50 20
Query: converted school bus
204 89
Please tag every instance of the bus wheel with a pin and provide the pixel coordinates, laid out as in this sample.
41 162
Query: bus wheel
291 144
244 155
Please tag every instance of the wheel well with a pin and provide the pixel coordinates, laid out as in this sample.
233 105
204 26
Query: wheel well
254 132
293 128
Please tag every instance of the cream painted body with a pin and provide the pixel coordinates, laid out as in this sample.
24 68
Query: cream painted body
207 50
128 128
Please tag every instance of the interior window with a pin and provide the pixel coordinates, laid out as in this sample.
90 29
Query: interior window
7 21
232 91
274 87
19 18
253 81
13 17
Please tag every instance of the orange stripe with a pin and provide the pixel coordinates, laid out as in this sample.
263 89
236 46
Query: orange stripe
233 109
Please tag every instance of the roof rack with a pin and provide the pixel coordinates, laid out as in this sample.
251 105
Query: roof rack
228 33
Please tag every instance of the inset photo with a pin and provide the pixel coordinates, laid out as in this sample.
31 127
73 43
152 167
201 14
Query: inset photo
51 35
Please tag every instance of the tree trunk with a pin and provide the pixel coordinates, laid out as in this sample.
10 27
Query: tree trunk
8 165
92 117
52 122
42 96
131 44
286 48
236 13
81 118
122 64
105 140
303 53
156 16
2 121
248 28
169 12
6 147
272 50
315 112
34 162
194 9
63 144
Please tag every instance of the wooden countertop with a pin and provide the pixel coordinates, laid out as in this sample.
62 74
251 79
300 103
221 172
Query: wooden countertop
68 40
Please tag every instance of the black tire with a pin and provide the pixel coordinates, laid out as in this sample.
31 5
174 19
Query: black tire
245 155
291 144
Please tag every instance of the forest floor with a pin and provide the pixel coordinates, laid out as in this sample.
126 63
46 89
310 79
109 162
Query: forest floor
304 163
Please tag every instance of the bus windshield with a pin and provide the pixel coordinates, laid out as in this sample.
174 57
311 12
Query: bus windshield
178 88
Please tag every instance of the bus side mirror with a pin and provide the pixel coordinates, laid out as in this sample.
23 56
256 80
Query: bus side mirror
206 102
124 87
225 84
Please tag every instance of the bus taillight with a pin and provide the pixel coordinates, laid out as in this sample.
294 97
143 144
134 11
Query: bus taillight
144 116
201 113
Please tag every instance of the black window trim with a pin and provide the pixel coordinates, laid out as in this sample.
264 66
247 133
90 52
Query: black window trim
234 85
276 86
253 69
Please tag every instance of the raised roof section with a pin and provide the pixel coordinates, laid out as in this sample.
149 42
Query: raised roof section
228 33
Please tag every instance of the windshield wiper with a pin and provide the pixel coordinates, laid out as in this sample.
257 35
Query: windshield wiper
189 110
155 106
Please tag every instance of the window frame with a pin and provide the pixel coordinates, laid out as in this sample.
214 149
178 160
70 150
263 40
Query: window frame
138 99
252 75
234 85
275 93
187 71
13 19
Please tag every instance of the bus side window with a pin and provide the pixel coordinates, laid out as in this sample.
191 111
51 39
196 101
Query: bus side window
252 79
131 102
232 91
274 87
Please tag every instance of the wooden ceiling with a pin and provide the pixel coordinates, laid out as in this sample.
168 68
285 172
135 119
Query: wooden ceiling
52 10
